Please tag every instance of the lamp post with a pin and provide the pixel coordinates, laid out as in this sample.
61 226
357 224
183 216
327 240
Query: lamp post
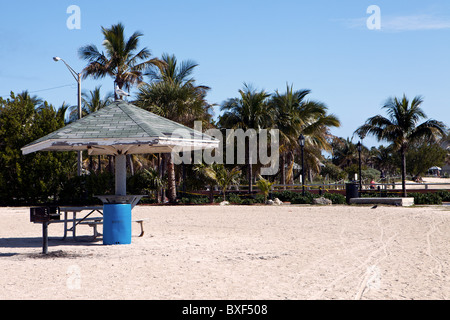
77 77
360 177
301 142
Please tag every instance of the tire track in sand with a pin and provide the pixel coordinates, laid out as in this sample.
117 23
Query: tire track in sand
362 268
372 274
437 270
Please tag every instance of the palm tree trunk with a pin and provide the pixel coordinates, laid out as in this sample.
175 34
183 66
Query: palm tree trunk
249 169
172 196
111 164
162 169
91 164
99 164
283 171
291 173
130 164
403 157
160 196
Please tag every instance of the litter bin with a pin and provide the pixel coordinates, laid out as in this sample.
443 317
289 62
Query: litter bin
351 191
116 224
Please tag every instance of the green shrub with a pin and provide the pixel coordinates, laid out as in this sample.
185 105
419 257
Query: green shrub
285 196
445 195
148 200
377 194
302 200
200 200
336 198
248 201
259 198
306 199
194 199
426 198
81 190
185 200
234 198
366 173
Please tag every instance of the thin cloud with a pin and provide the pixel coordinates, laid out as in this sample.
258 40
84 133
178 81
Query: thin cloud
414 23
421 22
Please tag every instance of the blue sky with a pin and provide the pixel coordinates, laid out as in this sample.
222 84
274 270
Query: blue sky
324 46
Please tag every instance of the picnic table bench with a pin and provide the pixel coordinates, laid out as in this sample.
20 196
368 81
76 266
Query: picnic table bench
97 222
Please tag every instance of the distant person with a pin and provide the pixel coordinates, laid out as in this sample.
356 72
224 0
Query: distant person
372 184
419 179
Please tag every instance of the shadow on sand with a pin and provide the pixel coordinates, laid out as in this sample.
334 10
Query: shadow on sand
52 243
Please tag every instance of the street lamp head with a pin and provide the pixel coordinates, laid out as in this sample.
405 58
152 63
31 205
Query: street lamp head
301 140
56 59
359 146
362 135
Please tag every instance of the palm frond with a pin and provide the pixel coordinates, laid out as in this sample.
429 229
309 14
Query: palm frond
431 130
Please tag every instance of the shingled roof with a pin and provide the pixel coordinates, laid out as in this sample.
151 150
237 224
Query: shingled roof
122 128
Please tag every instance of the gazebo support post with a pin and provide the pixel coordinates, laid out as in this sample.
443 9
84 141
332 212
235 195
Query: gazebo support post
121 175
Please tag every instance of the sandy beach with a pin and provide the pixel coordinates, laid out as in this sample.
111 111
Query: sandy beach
434 184
237 252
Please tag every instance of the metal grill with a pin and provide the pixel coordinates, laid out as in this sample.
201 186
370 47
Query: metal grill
45 214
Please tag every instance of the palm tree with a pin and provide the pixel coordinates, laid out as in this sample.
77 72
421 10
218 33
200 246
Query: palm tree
345 152
182 104
249 111
27 98
264 186
92 100
294 115
156 182
173 72
222 176
61 113
401 127
383 159
172 93
121 60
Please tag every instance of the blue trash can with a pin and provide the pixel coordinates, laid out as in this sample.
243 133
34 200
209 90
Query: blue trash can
116 224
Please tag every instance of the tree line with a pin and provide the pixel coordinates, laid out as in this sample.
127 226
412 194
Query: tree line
167 87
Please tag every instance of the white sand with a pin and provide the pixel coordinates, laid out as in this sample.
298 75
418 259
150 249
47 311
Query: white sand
250 252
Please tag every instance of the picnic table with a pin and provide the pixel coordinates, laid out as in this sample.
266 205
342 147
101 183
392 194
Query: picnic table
75 222
70 220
